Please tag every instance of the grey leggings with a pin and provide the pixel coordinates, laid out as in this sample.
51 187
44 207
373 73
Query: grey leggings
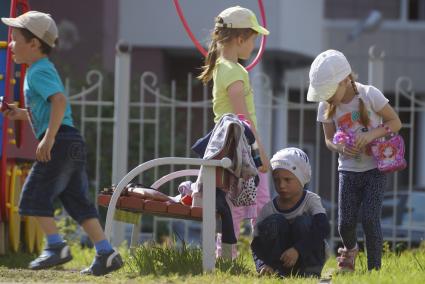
365 189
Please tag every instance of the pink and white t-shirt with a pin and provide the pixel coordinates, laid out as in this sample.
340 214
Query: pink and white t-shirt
347 116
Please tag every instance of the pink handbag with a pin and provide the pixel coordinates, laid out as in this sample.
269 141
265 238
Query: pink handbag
389 152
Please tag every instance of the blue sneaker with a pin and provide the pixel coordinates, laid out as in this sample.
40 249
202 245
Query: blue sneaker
104 264
51 256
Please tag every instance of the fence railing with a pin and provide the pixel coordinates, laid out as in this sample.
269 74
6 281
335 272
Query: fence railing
167 120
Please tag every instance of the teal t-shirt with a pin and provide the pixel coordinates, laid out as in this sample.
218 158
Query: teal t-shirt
42 81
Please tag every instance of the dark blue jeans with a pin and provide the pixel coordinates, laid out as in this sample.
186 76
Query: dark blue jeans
64 177
276 235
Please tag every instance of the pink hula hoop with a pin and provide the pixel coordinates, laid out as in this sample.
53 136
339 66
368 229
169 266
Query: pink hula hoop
202 49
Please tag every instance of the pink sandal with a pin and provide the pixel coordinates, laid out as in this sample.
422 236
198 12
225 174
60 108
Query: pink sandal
347 259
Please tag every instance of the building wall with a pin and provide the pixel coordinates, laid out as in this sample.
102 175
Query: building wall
349 9
81 34
152 23
298 28
401 36
403 46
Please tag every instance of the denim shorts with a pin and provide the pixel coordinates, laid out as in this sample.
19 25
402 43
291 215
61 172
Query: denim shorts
63 177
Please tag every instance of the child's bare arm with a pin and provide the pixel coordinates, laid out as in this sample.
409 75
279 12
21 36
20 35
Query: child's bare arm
12 112
58 106
389 118
236 94
329 130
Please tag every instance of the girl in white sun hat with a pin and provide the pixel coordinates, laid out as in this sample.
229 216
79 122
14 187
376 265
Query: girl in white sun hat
233 38
358 110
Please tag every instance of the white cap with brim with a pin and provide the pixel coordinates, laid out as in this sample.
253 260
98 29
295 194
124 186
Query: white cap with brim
321 93
238 17
328 69
40 24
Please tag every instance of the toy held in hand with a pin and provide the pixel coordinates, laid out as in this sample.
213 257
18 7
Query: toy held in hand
344 137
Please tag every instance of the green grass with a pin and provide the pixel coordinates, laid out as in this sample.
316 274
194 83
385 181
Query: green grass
153 259
168 264
405 267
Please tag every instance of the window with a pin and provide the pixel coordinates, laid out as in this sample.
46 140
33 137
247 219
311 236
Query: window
388 205
360 9
416 10
417 202
405 10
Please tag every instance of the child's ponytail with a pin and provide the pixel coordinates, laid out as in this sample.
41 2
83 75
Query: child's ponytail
210 61
330 111
364 117
220 37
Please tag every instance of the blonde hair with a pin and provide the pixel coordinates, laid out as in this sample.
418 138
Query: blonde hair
220 36
364 117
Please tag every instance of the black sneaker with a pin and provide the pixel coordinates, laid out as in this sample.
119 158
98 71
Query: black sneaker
51 256
104 264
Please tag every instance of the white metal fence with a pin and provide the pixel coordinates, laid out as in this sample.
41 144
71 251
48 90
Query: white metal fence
167 120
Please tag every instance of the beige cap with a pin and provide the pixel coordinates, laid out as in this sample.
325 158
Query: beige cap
238 18
328 69
40 24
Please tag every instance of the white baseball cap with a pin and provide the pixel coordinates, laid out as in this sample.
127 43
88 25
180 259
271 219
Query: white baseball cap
40 24
328 69
238 17
295 161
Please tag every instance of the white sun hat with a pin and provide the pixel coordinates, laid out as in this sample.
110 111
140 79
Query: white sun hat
328 69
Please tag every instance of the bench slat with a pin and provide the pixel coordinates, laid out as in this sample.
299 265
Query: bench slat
153 207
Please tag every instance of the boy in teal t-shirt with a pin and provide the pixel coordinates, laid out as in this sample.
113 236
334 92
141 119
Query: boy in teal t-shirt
41 81
59 172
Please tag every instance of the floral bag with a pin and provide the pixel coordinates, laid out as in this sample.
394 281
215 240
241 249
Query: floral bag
389 152
247 194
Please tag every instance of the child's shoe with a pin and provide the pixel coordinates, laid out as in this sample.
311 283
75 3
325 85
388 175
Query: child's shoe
347 259
51 256
104 264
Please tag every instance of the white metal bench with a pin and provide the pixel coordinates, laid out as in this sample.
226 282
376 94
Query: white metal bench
208 170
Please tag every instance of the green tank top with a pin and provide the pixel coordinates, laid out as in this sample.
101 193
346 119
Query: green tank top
225 73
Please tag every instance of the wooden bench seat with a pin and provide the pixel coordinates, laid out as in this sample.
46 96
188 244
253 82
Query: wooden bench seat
153 207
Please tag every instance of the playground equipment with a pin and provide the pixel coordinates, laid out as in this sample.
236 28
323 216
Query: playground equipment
17 148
